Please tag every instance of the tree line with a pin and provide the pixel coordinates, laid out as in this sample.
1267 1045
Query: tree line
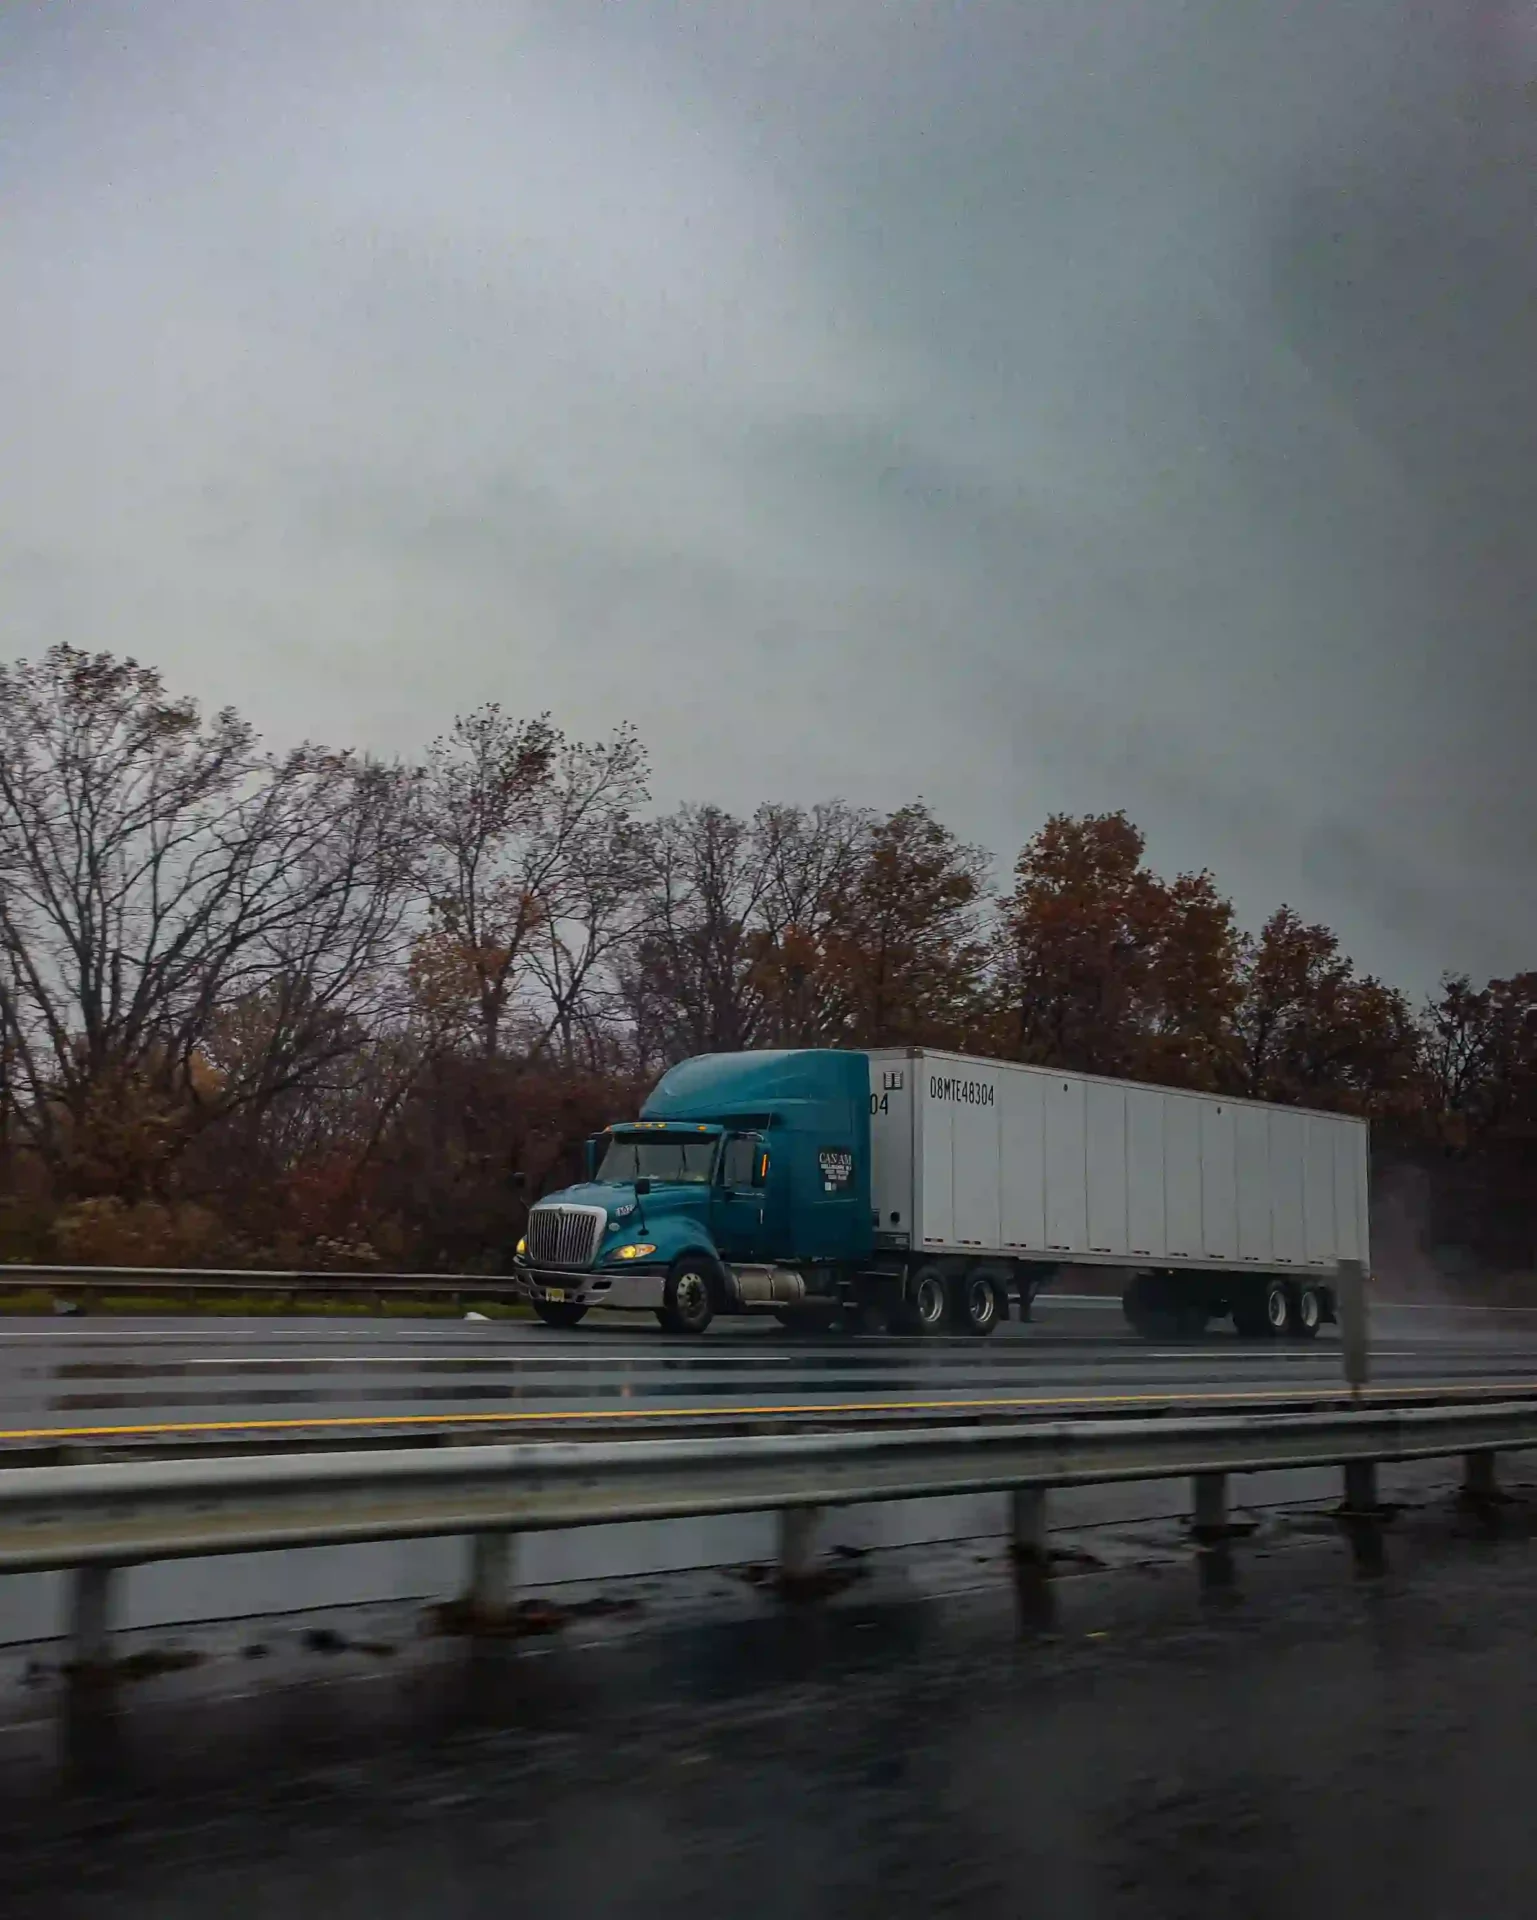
313 1009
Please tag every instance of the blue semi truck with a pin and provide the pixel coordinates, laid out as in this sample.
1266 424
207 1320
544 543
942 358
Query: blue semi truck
923 1190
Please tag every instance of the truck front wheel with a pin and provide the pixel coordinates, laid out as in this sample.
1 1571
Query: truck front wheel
688 1304
557 1313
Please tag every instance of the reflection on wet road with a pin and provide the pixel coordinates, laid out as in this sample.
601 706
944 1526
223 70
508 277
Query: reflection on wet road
87 1378
1312 1749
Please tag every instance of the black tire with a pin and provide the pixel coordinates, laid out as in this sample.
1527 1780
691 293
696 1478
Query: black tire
925 1303
1309 1314
1146 1308
1280 1309
1249 1320
688 1304
560 1313
978 1307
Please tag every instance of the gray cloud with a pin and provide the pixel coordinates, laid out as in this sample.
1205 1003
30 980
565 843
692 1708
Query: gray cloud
1039 404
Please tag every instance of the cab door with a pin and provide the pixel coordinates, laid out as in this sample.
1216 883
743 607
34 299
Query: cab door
736 1209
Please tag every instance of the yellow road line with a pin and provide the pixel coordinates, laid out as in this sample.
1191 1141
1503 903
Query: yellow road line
332 1422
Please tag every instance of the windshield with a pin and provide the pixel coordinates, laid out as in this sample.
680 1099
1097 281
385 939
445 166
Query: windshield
658 1157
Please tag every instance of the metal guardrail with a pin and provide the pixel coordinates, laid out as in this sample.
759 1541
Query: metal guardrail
91 1519
90 1283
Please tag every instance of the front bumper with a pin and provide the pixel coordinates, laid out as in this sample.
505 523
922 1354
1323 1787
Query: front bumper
624 1290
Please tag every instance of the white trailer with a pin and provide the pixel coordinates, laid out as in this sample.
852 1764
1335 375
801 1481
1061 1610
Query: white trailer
984 1171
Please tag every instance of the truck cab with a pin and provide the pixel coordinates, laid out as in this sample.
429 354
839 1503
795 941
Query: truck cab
743 1187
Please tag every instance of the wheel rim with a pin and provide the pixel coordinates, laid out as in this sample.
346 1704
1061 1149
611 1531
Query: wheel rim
1309 1312
930 1300
1276 1310
981 1303
692 1297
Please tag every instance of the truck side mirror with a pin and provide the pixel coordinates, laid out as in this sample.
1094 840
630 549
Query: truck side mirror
590 1156
642 1187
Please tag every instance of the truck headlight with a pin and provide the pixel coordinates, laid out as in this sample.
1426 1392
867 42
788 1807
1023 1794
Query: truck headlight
522 1248
636 1252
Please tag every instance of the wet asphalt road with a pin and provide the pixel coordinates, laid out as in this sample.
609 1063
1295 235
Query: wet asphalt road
1313 1745
89 1376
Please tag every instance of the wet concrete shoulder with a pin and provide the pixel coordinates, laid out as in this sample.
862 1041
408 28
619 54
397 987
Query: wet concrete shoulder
1306 1742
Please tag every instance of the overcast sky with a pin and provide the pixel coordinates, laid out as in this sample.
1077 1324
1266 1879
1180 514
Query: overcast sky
1060 404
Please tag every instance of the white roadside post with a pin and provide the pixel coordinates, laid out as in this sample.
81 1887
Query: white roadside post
1350 1304
1360 1510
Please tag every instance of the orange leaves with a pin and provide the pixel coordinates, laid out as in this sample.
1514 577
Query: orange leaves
904 957
1106 967
1311 1029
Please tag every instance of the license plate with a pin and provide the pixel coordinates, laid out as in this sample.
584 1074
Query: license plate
554 1293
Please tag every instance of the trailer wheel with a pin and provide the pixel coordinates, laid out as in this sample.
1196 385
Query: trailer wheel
1146 1307
925 1305
1309 1315
557 1313
980 1307
687 1302
1280 1309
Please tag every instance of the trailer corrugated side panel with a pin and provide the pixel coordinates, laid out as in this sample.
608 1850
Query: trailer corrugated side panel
988 1157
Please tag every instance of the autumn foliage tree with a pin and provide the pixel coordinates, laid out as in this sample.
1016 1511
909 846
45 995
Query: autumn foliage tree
1479 1053
1310 1029
903 957
1105 967
308 1008
1480 1056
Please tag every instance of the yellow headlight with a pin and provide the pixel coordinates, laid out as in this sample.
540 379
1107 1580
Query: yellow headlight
522 1248
637 1252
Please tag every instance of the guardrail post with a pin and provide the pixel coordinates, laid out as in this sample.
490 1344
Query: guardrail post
1031 1556
1361 1486
489 1600
1363 1516
1480 1484
1027 1526
90 1617
798 1529
1213 1533
1478 1475
1210 1493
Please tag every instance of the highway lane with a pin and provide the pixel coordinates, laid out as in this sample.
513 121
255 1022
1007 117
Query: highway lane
96 1379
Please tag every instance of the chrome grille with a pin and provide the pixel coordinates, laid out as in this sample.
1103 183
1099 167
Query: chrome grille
565 1236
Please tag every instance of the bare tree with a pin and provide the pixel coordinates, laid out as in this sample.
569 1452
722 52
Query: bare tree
740 917
164 888
812 861
690 981
531 862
